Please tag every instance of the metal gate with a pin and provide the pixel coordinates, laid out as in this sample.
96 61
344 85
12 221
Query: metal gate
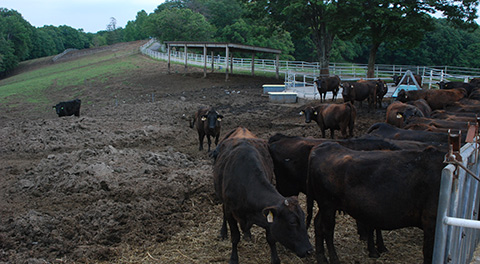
458 229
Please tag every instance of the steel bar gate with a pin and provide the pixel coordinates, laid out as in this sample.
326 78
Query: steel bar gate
458 229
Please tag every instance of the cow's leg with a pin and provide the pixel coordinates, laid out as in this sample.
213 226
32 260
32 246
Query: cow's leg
329 228
372 251
201 136
209 141
428 241
332 133
216 139
235 234
319 238
380 245
246 226
223 230
273 248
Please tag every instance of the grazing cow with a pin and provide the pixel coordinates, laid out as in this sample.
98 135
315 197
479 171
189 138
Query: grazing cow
436 99
398 113
325 84
208 124
243 172
333 117
407 80
359 91
369 186
68 108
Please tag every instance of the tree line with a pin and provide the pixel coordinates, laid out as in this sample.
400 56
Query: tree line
362 31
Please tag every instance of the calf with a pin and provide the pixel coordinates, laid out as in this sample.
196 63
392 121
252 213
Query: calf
333 117
242 172
68 108
326 84
386 189
208 124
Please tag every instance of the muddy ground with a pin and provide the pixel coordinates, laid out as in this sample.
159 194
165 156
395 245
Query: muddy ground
125 182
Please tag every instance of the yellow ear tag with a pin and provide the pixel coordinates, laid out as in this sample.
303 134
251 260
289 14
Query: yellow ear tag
204 118
219 119
399 115
270 217
315 113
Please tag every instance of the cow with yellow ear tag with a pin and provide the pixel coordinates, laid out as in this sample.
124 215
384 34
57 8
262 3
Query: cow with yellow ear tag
208 123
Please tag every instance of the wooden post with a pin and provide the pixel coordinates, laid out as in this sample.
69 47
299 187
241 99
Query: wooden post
204 61
185 49
213 62
226 63
253 63
168 51
277 64
231 64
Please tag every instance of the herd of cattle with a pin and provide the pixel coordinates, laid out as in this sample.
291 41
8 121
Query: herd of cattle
387 179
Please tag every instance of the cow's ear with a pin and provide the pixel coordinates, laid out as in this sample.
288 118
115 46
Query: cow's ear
270 213
204 117
219 117
301 112
54 107
315 113
399 115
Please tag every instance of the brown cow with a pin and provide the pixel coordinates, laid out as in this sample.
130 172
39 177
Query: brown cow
423 106
325 84
333 117
435 125
398 113
436 99
381 89
243 172
208 124
386 189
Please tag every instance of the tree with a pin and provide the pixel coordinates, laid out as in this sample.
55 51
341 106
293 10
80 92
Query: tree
400 23
135 30
179 24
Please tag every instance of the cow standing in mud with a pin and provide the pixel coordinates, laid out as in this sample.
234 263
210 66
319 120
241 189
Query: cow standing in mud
208 122
243 174
333 116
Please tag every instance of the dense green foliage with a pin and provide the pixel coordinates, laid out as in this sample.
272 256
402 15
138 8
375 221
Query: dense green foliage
363 31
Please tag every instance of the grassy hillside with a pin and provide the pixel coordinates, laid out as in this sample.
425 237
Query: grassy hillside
42 82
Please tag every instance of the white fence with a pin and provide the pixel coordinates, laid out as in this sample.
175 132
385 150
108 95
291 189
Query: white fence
305 70
458 229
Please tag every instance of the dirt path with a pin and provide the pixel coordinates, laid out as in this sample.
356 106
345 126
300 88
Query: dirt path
126 183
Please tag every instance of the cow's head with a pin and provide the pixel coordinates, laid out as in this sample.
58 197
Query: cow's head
212 119
404 117
441 84
347 90
310 114
286 222
402 96
60 109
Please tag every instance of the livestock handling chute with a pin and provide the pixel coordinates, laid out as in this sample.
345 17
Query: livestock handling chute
457 229
407 83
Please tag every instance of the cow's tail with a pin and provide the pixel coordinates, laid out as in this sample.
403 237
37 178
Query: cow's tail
309 210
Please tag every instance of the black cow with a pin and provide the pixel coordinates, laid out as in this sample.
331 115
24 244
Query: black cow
396 79
469 87
68 108
243 170
326 84
359 91
369 186
208 124
385 130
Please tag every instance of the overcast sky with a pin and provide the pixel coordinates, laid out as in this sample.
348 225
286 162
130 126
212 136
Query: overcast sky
90 15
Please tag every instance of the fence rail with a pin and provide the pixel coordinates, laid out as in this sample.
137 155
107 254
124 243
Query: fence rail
430 74
457 229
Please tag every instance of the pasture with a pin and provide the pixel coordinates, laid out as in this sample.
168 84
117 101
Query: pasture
125 181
